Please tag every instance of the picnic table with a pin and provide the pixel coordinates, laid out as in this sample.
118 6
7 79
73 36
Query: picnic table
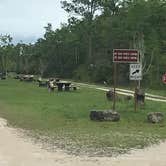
63 85
27 78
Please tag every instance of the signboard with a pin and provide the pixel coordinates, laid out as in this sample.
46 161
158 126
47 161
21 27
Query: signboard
126 56
164 78
135 72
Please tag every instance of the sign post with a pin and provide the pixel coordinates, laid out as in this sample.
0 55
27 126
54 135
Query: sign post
135 72
135 98
114 98
124 56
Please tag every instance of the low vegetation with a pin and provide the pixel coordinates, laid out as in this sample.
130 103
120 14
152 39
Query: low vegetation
62 119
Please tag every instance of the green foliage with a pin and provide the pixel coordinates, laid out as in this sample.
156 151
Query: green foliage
5 52
88 40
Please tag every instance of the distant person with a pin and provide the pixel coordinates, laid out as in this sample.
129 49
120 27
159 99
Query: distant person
51 86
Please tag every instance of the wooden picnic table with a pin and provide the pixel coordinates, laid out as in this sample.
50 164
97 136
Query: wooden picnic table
28 78
64 84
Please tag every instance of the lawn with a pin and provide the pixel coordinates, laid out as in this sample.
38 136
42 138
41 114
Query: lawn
61 119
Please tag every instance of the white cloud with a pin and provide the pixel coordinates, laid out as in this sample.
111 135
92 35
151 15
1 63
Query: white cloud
28 17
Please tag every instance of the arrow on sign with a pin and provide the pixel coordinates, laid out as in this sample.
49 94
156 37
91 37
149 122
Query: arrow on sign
137 71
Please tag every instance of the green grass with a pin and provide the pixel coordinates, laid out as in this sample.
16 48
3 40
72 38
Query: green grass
62 119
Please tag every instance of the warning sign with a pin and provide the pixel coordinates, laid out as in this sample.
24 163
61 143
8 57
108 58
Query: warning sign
135 72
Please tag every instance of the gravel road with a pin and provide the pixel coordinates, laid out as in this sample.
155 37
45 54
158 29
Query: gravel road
16 150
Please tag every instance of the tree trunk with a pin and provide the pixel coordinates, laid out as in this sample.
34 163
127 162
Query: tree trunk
90 58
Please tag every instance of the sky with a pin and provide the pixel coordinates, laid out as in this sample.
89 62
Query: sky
25 19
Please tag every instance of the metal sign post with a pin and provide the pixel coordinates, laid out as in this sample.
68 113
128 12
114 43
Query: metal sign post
135 74
114 98
135 97
127 56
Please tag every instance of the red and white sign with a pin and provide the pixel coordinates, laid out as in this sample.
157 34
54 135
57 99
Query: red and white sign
126 56
164 78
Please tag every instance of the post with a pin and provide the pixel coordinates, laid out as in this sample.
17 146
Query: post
114 99
139 84
5 65
135 97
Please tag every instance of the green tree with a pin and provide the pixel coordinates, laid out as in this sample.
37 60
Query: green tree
87 10
5 43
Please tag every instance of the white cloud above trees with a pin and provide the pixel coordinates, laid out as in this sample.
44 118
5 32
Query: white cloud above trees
26 18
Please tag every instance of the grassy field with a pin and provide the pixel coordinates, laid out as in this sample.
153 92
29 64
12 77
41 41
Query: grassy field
61 119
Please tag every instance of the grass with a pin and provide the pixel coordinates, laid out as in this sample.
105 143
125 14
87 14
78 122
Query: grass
62 119
157 92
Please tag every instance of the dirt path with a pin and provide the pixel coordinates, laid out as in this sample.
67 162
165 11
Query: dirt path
125 92
19 151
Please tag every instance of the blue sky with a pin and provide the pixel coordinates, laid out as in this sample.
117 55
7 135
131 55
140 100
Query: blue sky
24 19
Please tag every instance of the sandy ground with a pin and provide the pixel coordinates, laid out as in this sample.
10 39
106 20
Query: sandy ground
19 151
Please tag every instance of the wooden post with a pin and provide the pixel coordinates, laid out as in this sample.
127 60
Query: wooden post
135 97
114 99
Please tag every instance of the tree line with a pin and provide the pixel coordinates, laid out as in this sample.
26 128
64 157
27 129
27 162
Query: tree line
82 48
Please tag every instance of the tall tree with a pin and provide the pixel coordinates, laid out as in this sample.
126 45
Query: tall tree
87 10
5 42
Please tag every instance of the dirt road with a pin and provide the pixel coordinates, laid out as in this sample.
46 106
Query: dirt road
125 92
20 151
